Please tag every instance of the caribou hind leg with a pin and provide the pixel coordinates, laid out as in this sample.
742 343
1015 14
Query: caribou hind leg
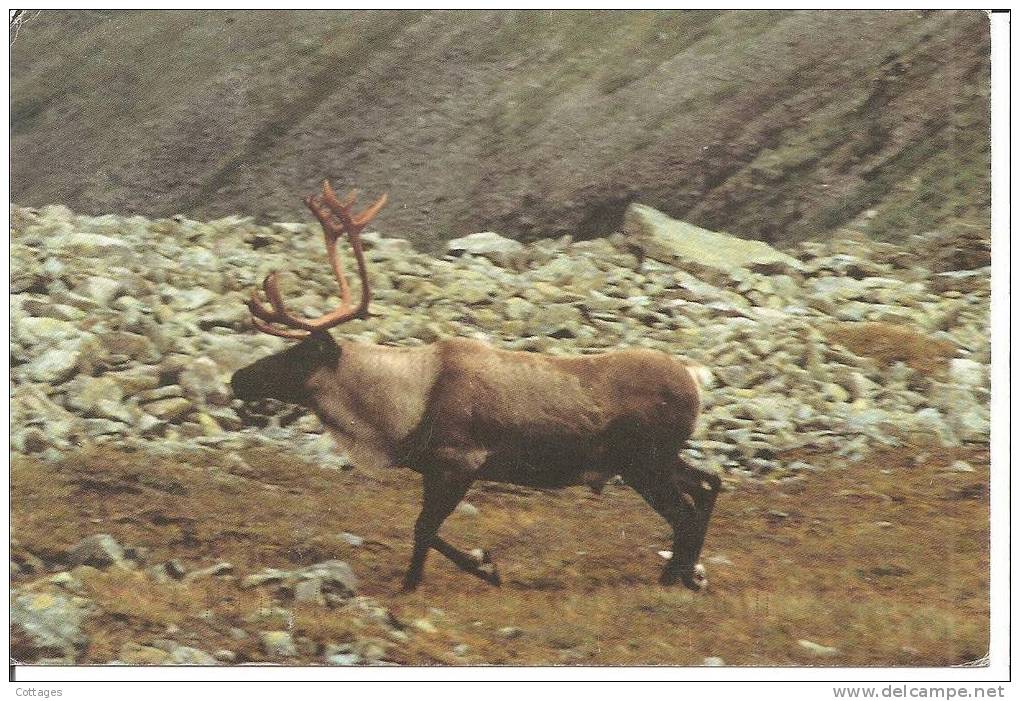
440 496
684 496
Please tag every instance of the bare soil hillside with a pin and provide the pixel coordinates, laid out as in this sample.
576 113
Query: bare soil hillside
776 125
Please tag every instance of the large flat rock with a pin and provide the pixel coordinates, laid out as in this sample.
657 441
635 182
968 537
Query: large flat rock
679 243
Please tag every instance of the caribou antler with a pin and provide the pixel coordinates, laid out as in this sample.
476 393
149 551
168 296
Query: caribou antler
336 219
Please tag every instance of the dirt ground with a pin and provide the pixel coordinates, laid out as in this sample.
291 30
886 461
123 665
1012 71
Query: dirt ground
885 560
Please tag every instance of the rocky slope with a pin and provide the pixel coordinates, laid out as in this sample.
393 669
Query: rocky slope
778 125
125 331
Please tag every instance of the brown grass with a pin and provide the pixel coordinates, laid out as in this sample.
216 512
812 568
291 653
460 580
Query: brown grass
579 570
890 343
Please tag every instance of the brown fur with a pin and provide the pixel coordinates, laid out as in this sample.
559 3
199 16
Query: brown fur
460 410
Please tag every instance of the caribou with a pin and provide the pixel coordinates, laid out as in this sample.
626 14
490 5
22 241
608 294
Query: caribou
460 410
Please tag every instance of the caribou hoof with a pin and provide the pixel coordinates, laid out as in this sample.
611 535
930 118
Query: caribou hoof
695 579
490 574
485 568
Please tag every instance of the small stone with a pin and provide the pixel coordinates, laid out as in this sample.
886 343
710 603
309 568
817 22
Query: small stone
461 649
87 245
353 540
217 570
191 656
343 659
424 625
713 662
335 574
101 550
157 393
55 366
960 466
372 650
278 643
510 632
191 299
817 649
224 655
172 410
268 576
135 654
309 591
87 393
485 243
467 509
101 290
31 440
968 373
210 427
201 380
175 569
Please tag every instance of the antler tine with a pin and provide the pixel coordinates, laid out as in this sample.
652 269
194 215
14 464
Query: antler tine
336 219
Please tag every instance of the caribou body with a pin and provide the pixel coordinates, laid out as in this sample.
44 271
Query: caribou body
460 410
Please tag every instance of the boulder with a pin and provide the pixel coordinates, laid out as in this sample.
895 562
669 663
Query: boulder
679 243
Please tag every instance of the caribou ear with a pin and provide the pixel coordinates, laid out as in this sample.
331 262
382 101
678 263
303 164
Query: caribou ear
325 346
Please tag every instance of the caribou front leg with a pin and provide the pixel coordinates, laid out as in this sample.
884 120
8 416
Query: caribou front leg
446 478
703 487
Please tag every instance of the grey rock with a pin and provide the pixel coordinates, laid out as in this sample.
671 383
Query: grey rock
56 365
88 394
344 659
87 245
968 373
278 643
352 540
679 243
218 570
172 410
268 576
202 381
335 574
101 290
29 441
309 591
44 331
130 345
486 243
467 509
132 653
191 299
817 649
51 622
192 656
